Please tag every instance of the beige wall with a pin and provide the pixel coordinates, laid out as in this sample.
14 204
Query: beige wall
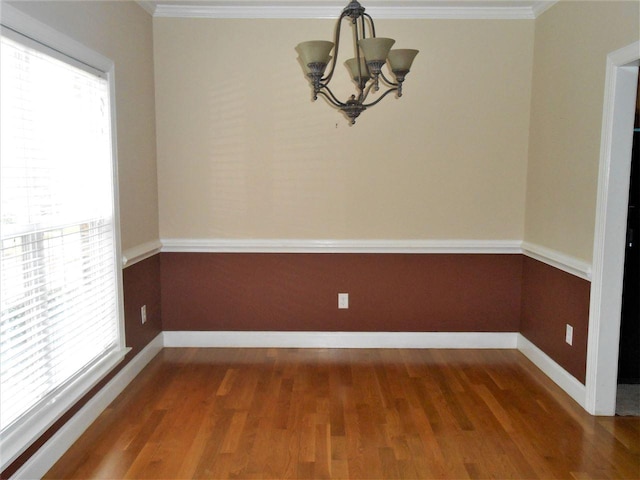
121 31
244 153
572 40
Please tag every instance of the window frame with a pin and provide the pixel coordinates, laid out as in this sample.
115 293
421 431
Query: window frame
24 432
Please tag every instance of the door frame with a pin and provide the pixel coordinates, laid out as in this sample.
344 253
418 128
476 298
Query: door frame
605 307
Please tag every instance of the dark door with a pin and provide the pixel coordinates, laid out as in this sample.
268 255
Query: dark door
629 357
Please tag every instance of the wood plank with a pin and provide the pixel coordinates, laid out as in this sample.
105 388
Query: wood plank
349 414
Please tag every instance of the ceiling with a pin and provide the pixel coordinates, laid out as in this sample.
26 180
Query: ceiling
480 9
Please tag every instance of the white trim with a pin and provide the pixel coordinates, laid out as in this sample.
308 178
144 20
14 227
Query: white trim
138 253
16 438
147 6
610 229
441 11
28 26
414 9
42 460
539 8
566 263
214 245
558 260
252 339
551 369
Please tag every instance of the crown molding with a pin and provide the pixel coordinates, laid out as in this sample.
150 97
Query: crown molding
538 8
319 9
147 6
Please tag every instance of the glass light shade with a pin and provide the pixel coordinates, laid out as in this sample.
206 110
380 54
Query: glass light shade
315 51
352 66
376 49
401 59
304 66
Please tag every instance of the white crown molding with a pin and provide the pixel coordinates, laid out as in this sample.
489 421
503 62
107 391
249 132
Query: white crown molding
338 246
138 253
272 339
539 8
407 9
147 6
559 260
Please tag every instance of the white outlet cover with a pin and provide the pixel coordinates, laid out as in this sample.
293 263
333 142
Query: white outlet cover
343 300
143 313
569 335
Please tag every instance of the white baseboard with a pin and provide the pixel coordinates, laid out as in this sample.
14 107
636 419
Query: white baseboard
555 372
498 340
41 461
341 339
222 245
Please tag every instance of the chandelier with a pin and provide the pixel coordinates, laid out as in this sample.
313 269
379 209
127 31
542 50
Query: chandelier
365 68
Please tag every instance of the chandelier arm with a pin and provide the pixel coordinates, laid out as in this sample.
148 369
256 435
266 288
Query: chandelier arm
358 56
365 93
381 97
372 27
331 97
387 81
334 60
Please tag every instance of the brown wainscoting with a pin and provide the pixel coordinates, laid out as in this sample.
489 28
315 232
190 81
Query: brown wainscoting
299 292
141 282
141 286
551 299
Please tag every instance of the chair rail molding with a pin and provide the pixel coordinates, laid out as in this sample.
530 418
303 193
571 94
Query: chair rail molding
559 260
136 254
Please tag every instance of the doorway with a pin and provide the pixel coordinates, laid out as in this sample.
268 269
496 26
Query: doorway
629 354
621 84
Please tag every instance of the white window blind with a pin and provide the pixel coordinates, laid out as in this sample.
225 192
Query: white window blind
59 292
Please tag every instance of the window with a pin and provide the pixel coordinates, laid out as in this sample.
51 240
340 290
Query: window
60 293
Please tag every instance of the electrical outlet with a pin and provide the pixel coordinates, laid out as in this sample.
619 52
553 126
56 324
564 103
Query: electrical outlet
343 301
143 314
569 335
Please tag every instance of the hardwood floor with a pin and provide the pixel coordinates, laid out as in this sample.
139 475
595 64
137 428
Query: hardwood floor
349 414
